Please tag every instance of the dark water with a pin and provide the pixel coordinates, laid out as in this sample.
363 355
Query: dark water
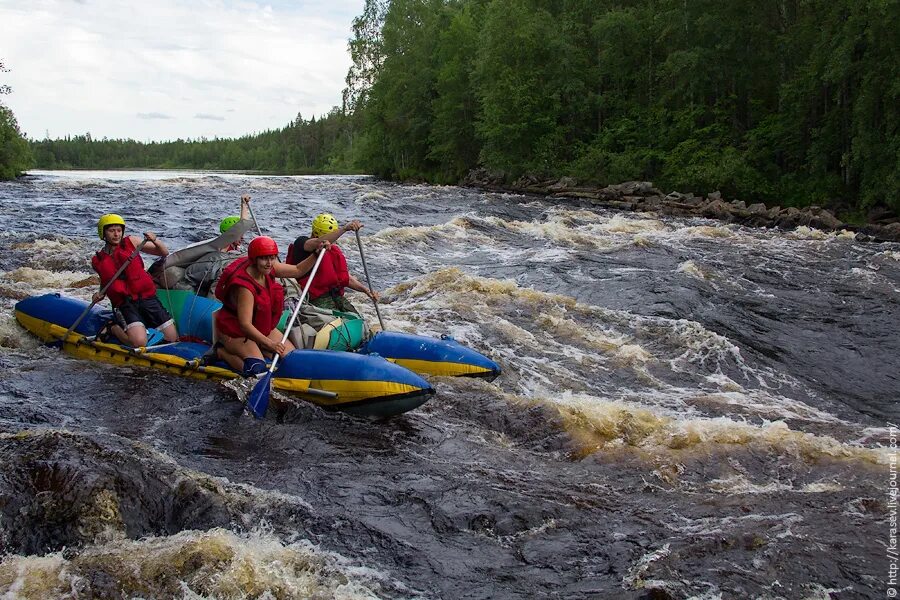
687 410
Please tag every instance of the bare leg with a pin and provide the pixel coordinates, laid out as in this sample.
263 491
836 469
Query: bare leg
234 361
137 334
235 350
169 333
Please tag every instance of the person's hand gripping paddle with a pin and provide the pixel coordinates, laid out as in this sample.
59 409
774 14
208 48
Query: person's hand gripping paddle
99 296
259 395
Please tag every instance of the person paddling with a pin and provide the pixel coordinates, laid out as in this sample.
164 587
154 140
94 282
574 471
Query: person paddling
252 303
327 289
133 294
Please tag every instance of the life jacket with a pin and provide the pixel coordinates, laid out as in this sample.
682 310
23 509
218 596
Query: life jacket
268 300
133 283
331 278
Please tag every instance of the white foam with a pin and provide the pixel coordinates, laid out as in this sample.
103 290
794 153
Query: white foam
210 564
41 279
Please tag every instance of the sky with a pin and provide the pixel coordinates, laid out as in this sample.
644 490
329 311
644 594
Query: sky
167 69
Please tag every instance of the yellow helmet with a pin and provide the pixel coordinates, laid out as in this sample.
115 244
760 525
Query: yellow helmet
322 224
106 220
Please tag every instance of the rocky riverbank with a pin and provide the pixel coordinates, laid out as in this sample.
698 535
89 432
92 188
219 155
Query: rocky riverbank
641 196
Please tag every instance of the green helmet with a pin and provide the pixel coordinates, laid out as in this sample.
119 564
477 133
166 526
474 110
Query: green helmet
227 223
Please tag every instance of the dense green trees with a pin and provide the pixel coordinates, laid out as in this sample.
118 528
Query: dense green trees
788 101
15 156
312 146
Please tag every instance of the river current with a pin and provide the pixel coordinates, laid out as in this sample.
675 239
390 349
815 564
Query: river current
688 409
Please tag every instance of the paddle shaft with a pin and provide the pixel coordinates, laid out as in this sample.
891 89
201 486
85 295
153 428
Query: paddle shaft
259 232
255 222
362 256
125 264
259 395
290 325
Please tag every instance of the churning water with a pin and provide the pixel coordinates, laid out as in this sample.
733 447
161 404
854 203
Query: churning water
687 409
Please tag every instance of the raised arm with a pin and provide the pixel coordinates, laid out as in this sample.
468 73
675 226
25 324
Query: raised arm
332 236
154 245
304 266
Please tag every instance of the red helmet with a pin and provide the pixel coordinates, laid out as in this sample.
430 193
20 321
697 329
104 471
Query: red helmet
262 246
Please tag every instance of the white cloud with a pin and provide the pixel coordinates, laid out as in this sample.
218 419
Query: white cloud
167 69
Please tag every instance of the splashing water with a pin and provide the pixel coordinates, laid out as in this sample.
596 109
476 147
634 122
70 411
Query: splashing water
687 409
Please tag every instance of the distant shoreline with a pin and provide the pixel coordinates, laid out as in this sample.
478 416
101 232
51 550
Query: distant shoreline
188 170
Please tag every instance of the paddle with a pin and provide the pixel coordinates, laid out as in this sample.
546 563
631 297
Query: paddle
259 395
259 232
127 262
362 255
255 222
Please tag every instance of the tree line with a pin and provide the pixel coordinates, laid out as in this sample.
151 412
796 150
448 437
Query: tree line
15 156
303 146
788 101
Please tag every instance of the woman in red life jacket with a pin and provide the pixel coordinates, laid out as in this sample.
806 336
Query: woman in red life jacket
333 276
133 294
252 303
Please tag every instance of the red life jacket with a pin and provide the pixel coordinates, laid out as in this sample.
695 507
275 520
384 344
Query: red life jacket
133 283
268 300
331 278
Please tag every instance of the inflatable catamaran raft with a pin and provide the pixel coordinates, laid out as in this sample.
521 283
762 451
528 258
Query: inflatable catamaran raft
378 376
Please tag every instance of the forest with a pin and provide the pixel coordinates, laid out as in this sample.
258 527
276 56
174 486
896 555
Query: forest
15 156
302 147
786 101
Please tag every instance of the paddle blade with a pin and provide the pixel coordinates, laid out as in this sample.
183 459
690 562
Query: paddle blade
259 396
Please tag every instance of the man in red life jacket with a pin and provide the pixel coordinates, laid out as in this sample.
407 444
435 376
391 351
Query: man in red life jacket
252 303
133 293
327 288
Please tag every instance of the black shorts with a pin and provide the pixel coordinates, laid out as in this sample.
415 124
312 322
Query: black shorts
146 311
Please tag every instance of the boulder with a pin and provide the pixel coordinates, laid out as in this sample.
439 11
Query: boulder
892 232
823 219
718 210
739 204
716 195
693 200
637 188
757 209
482 177
881 215
788 219
564 183
610 192
526 181
649 202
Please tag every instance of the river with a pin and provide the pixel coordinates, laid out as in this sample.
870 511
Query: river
688 409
